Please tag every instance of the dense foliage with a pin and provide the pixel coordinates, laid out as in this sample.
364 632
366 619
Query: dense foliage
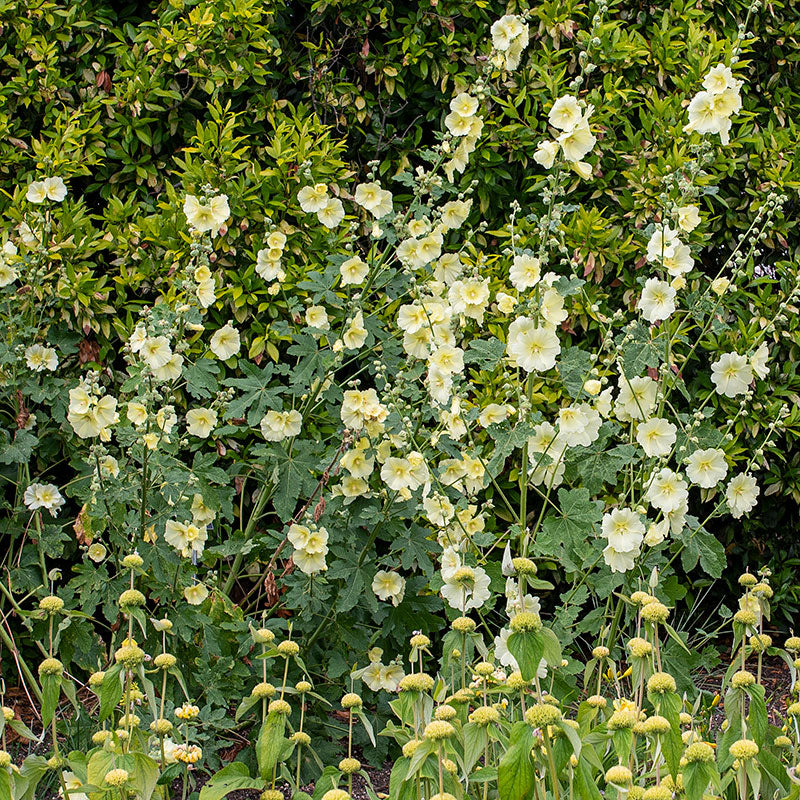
281 287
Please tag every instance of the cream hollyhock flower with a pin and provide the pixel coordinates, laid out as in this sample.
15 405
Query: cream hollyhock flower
317 317
657 301
457 124
577 142
742 494
89 415
758 361
166 419
137 338
506 303
171 370
74 786
155 351
210 215
464 104
268 268
109 467
707 467
656 532
679 262
667 491
454 213
357 462
532 348
39 358
447 358
313 198
206 292
552 307
310 563
195 595
493 414
389 586
43 495
566 113
202 515
299 535
448 268
656 437
137 413
371 197
525 272
279 425
185 537
623 529
438 509
201 421
353 271
719 79
688 217
398 474
545 154
662 244
466 588
225 342
332 213
636 398
731 374
469 297
578 424
620 560
8 274
356 334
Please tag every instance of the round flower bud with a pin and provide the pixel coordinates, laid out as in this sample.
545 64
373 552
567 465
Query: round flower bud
165 661
420 640
161 727
541 714
117 777
263 636
349 765
438 729
56 762
271 794
657 793
782 742
685 719
760 642
122 735
742 679
484 669
132 561
744 616
445 712
8 714
5 760
763 589
699 751
51 666
463 625
661 683
640 648
655 612
96 678
744 749
288 648
129 721
596 701
131 598
792 644
619 775
601 652
526 621
515 682
656 725
303 687
621 719
416 682
130 655
461 696
352 700
642 598
484 715
747 579
279 707
51 604
524 566
300 737
336 794
450 766
793 710
409 748
100 737
455 653
635 793
443 796
263 690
